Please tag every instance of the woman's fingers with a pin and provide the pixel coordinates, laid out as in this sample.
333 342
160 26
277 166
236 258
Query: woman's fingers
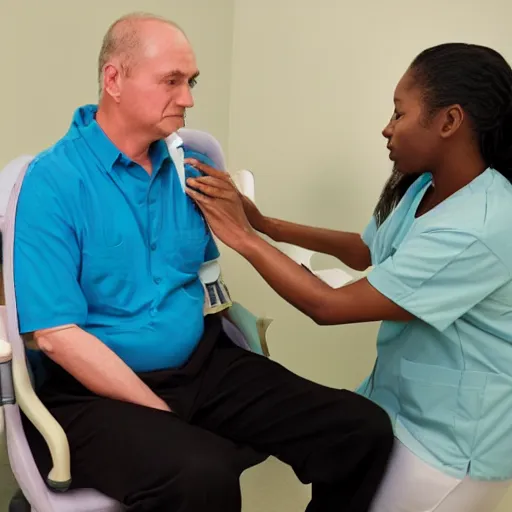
198 197
206 169
212 187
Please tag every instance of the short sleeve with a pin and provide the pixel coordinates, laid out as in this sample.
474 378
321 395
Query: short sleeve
440 275
212 251
369 232
46 258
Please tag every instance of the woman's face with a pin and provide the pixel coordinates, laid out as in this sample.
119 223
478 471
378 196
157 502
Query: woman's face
413 139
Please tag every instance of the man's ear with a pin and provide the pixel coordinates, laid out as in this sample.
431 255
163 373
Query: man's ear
111 82
452 119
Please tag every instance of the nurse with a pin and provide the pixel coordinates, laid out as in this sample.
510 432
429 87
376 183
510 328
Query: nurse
440 243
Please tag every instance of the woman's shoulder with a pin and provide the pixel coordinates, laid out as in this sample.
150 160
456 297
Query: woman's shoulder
482 211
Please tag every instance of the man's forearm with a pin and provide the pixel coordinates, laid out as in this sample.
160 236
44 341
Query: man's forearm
95 366
347 247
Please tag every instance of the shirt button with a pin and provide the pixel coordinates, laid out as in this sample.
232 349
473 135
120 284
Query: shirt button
153 246
157 280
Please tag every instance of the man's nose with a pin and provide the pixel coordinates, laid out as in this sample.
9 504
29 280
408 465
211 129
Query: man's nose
185 99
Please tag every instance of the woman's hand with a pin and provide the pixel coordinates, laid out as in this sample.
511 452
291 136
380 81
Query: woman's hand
257 220
222 205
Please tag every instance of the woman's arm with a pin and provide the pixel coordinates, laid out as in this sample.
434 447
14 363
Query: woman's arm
349 248
222 207
357 302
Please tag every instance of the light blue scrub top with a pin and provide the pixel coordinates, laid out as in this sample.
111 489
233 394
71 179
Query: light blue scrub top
445 378
102 244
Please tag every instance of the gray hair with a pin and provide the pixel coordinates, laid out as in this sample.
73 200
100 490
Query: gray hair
122 40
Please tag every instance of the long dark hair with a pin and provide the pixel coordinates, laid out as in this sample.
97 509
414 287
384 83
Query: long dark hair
478 79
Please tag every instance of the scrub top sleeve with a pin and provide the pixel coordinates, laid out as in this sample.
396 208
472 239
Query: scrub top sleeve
440 275
369 232
46 258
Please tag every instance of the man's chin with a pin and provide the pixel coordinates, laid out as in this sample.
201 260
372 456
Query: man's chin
171 125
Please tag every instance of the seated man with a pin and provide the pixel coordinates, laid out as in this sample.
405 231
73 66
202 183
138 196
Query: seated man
161 410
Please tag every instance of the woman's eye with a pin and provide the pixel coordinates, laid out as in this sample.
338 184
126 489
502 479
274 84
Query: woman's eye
396 116
192 83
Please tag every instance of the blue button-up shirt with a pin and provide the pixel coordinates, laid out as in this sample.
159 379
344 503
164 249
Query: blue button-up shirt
102 244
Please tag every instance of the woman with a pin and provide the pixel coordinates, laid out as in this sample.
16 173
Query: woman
440 242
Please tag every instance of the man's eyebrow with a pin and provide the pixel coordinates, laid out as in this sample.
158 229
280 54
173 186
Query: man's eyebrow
176 73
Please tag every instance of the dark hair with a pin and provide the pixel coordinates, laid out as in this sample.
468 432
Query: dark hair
478 79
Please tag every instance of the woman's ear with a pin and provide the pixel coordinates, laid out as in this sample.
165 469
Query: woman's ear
453 117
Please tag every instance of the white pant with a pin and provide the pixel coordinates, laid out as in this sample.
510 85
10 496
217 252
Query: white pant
411 485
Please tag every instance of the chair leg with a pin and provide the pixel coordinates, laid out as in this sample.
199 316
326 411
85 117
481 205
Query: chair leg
19 503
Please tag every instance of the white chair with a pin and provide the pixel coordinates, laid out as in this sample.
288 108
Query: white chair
334 277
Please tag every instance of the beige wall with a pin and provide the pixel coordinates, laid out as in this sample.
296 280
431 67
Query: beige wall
312 88
48 51
297 93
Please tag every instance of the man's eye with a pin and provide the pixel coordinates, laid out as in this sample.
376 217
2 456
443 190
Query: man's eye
171 82
192 82
396 116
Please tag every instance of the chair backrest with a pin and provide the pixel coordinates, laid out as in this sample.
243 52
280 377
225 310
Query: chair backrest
11 178
202 142
8 177
334 277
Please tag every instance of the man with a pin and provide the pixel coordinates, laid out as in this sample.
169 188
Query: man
161 410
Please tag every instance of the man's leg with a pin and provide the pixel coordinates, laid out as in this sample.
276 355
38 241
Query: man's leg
336 440
149 460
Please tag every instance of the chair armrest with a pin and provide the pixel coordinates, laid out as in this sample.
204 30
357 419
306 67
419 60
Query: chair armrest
254 329
59 477
6 385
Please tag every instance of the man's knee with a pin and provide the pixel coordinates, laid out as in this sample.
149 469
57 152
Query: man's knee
378 429
360 418
211 477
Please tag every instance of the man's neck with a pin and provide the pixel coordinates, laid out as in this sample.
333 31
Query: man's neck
132 145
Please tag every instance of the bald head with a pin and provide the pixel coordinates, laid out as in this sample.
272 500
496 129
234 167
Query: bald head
131 37
147 70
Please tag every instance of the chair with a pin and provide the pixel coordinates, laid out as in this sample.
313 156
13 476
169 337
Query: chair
334 277
16 390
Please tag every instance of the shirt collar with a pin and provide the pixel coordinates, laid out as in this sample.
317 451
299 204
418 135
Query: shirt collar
84 123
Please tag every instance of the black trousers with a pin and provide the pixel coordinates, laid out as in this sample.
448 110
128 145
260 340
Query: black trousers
231 410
